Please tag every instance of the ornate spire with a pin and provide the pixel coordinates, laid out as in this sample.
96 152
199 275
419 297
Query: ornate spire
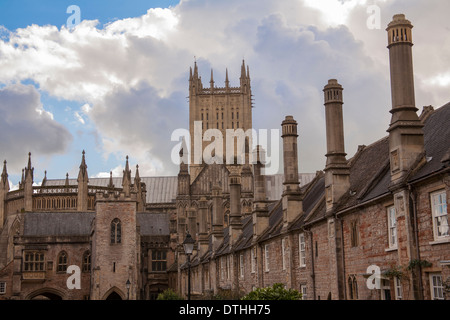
137 178
227 82
83 169
29 169
67 179
126 180
111 184
44 181
4 180
195 70
211 82
190 73
243 75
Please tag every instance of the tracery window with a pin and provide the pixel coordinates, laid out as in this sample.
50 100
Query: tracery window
62 262
116 231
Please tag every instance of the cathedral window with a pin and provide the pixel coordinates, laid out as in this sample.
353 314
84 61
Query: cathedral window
352 288
116 231
33 261
159 260
440 216
237 115
62 262
86 262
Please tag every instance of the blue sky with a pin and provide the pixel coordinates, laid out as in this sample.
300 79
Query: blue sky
118 87
21 13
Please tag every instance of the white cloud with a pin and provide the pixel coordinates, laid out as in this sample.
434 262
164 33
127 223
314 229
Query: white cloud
26 127
132 74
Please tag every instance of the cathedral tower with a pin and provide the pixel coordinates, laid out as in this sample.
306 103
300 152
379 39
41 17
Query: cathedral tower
219 108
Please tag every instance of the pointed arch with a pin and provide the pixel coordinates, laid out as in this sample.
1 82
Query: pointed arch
112 294
14 230
62 262
49 293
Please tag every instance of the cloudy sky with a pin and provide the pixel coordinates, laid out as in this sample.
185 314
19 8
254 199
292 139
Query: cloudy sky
117 83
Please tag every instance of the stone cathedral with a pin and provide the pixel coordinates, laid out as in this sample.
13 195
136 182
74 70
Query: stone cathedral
381 214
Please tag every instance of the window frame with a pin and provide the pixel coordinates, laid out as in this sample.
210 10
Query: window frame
61 267
398 288
34 265
159 260
303 291
283 253
301 250
241 264
392 241
443 195
439 288
266 258
253 259
86 265
2 287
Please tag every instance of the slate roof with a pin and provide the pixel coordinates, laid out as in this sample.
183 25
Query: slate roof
79 223
437 142
153 224
58 223
159 189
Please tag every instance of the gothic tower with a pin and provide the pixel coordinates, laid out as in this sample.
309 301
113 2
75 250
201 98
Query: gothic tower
218 108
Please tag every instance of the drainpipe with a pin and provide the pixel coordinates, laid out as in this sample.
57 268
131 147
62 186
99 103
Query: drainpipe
413 197
341 222
313 275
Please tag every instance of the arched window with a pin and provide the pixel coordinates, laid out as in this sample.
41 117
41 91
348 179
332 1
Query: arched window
116 231
62 262
86 262
352 288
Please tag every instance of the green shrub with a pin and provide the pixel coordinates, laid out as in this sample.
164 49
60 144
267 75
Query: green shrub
275 292
169 294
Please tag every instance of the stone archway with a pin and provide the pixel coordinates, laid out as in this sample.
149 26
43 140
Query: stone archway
113 296
45 294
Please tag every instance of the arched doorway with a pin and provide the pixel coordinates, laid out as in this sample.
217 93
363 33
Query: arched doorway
45 294
114 296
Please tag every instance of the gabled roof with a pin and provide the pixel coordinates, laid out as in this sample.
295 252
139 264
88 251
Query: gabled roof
437 142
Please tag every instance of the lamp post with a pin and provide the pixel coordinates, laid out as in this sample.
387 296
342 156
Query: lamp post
128 284
188 245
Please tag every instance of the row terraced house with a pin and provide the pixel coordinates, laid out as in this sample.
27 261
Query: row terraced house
374 226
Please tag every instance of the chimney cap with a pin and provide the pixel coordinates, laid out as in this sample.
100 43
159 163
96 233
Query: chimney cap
399 19
332 84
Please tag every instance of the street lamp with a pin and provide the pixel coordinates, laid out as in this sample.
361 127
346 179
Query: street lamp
128 284
188 245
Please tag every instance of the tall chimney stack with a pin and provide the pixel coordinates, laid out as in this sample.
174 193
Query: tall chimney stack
406 140
337 172
292 197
